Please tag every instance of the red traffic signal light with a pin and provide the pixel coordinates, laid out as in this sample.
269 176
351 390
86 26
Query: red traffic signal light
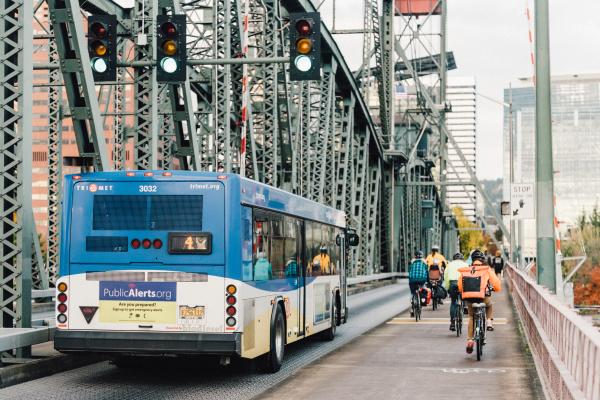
99 30
304 27
168 29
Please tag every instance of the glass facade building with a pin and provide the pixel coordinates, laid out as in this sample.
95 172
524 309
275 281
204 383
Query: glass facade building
576 144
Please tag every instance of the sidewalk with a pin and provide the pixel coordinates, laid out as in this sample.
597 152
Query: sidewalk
406 360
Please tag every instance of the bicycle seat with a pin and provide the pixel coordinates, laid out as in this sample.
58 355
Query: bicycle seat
479 305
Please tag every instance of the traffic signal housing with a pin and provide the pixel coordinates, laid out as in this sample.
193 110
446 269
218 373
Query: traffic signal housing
102 47
305 46
171 54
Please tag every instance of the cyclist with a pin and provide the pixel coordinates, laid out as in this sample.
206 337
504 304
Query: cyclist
436 259
451 277
474 286
437 263
498 263
417 273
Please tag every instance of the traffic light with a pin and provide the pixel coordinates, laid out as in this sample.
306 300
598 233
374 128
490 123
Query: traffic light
305 46
102 47
170 48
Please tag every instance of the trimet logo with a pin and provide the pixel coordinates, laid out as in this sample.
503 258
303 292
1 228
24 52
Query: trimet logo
94 188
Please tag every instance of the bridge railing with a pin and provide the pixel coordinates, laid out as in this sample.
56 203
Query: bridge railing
566 347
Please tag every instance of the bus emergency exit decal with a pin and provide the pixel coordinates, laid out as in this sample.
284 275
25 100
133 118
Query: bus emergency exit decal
138 302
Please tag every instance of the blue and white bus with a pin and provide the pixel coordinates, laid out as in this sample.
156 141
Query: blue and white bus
183 263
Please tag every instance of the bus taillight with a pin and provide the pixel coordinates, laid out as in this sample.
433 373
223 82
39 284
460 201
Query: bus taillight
231 300
231 289
157 243
135 243
231 311
230 321
62 299
146 243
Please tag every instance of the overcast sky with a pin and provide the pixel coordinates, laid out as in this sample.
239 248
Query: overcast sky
489 39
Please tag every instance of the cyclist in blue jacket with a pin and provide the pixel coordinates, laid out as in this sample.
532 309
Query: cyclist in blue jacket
418 272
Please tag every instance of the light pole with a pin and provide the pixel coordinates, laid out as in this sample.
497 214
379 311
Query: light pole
544 176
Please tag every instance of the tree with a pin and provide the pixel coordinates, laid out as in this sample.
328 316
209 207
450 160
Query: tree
469 238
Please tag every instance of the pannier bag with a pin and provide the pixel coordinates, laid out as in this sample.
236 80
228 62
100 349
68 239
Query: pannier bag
425 295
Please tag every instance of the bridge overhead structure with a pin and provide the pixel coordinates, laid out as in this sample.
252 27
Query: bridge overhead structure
236 112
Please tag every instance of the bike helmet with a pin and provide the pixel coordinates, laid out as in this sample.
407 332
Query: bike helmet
477 255
323 249
435 247
458 256
418 254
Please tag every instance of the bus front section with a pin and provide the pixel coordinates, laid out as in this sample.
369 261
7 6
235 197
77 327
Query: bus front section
143 265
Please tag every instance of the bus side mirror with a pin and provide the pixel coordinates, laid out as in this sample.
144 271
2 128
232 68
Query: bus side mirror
352 239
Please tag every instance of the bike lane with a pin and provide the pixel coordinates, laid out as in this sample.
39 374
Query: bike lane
404 359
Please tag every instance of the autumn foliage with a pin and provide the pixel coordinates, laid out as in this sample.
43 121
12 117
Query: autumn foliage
587 290
586 283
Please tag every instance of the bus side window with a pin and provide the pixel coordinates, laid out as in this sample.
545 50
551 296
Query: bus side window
263 269
247 269
290 248
277 256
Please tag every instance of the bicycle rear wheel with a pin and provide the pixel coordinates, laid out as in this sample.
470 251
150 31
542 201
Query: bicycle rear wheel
458 320
415 307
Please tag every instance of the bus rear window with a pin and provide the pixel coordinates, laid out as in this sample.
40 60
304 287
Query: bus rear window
148 212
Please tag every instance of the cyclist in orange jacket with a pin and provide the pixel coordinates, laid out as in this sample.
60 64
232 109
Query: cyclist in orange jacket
474 286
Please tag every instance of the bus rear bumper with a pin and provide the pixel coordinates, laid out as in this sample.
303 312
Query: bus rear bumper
147 342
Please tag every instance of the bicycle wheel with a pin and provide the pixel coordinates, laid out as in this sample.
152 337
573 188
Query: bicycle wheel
479 338
434 300
458 320
415 307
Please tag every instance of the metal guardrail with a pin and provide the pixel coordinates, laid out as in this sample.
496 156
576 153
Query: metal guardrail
15 338
373 277
566 347
42 293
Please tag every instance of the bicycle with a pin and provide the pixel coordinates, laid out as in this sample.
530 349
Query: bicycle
416 304
458 315
434 293
479 315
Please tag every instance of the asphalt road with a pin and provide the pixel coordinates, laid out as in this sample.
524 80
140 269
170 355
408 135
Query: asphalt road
205 379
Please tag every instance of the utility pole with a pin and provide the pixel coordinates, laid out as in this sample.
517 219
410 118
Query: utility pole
443 139
544 176
513 253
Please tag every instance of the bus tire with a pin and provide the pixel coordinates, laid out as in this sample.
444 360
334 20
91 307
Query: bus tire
273 360
329 333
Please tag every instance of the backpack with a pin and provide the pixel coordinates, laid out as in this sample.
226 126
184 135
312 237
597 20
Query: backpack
474 281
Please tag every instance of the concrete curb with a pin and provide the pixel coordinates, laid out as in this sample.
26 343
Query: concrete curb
42 367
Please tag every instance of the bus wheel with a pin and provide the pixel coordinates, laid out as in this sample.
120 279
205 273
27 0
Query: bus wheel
329 333
274 358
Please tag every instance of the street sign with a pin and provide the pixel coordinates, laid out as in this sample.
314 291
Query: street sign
522 201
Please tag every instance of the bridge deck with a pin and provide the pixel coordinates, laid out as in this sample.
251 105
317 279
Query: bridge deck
424 360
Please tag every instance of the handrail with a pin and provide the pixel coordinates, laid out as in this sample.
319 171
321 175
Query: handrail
373 277
565 346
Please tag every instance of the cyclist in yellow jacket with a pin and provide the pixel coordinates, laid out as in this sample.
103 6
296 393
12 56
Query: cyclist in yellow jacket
451 277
